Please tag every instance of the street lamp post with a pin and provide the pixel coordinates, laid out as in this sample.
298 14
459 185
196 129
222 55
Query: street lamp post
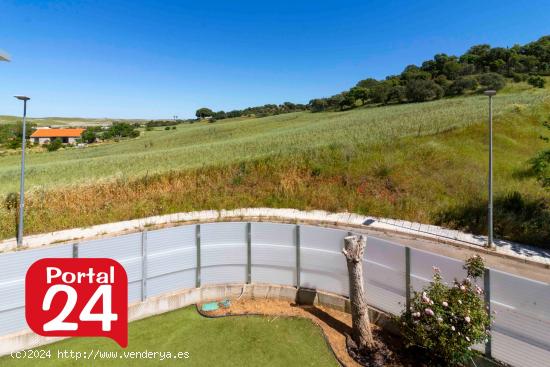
490 244
22 180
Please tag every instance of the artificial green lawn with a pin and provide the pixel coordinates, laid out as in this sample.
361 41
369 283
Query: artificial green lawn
228 341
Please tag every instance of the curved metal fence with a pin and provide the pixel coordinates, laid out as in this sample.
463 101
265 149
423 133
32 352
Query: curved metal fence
188 256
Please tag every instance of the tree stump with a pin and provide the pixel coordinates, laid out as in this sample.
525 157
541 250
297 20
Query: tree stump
354 248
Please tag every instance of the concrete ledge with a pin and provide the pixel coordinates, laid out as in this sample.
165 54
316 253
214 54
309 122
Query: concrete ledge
27 339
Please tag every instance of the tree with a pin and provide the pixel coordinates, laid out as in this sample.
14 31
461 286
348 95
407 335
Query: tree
423 90
318 104
359 93
536 81
368 83
492 81
397 93
220 115
204 113
413 72
452 69
354 248
89 136
462 84
380 93
120 130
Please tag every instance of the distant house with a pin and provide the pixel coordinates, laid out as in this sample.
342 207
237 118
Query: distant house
46 135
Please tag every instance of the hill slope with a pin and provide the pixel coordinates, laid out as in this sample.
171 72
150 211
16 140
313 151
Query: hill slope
420 162
231 141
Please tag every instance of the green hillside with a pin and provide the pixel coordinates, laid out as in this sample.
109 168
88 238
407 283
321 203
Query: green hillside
425 162
230 141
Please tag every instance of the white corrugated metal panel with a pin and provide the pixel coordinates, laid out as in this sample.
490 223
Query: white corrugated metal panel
171 259
325 239
525 295
517 352
323 266
222 274
12 320
134 291
13 268
274 275
422 272
14 265
521 331
167 239
171 282
171 250
223 253
384 266
124 249
273 253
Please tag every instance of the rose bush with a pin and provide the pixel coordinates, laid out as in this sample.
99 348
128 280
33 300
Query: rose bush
446 320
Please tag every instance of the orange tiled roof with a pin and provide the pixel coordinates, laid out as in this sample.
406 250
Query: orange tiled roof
57 133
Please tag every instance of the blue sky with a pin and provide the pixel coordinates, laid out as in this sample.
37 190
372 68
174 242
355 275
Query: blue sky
156 59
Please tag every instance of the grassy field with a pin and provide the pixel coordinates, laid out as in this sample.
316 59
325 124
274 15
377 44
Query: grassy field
414 161
230 141
231 341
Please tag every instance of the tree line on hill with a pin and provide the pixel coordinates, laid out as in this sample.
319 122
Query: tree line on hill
481 67
259 111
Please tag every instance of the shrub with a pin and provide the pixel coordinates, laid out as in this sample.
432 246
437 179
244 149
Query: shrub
462 84
540 165
446 321
420 90
11 201
13 143
536 81
54 145
167 128
516 218
492 81
519 77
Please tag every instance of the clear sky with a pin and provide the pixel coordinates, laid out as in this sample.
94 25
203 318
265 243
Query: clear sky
156 59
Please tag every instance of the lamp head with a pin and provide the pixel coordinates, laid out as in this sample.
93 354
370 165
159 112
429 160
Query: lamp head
490 92
4 57
22 98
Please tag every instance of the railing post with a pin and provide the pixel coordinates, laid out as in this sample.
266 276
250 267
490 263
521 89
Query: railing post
143 265
248 253
407 278
198 244
75 250
297 243
487 291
